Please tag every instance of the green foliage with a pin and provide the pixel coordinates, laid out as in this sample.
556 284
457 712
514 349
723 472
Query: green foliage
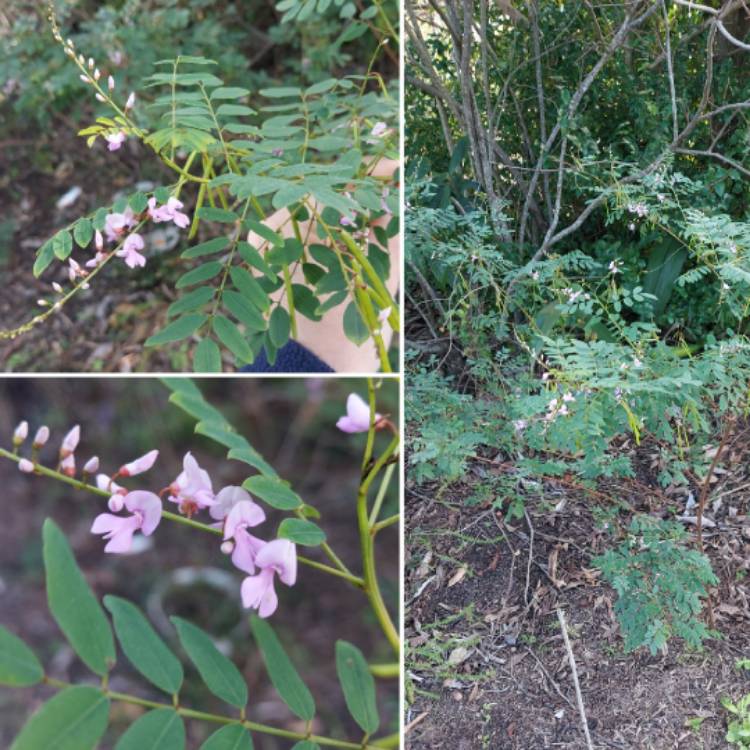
282 672
739 727
19 666
660 583
73 604
358 685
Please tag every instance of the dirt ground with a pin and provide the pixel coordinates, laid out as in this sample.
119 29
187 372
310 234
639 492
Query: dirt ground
486 663
179 571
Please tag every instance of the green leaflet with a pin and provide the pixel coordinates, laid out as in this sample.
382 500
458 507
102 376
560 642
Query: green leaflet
145 650
161 729
73 604
301 532
232 737
358 685
19 666
74 719
221 676
284 676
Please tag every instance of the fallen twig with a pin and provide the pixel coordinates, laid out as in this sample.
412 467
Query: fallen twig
572 662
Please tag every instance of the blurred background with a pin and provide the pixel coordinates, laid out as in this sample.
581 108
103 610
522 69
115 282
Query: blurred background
48 176
179 571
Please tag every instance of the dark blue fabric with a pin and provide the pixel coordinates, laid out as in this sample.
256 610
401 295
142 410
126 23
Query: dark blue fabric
292 357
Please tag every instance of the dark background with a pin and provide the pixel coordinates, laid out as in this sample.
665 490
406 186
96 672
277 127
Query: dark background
292 424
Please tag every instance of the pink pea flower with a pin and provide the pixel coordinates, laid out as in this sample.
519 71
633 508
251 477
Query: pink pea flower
238 511
170 211
145 510
192 490
96 260
115 140
129 251
70 442
144 463
357 417
347 221
379 129
115 225
276 557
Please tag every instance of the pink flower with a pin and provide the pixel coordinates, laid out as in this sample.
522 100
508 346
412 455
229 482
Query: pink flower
115 225
280 557
103 482
70 442
170 211
129 251
96 260
75 270
347 221
145 509
115 140
236 509
379 129
192 490
144 463
357 417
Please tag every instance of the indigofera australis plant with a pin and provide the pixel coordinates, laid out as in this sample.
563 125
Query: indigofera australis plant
303 187
77 716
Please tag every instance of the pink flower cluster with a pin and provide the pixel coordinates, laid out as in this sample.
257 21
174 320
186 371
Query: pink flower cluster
232 509
118 225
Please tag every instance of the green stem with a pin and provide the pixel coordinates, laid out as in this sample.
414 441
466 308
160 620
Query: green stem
386 671
385 523
252 726
381 494
78 484
372 588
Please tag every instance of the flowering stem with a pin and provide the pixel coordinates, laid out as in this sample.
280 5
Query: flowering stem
252 726
80 485
367 538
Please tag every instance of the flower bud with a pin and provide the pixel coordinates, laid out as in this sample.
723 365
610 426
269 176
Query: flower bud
100 98
21 433
68 465
70 442
116 503
130 103
227 547
91 63
144 463
84 78
91 466
57 287
25 466
97 74
111 83
41 437
98 241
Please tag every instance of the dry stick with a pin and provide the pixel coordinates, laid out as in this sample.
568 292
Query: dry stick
702 504
572 661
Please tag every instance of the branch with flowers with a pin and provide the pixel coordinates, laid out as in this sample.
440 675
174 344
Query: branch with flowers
232 515
299 195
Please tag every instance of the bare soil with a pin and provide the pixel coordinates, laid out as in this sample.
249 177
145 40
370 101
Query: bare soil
486 663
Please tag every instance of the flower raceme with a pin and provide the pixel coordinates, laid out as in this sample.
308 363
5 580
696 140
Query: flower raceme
232 508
